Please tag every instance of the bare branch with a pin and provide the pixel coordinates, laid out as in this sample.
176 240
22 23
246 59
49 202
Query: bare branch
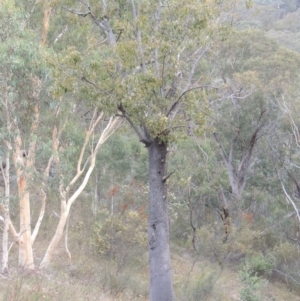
138 37
110 128
141 134
94 85
102 23
80 14
194 66
60 35
243 167
166 177
44 195
290 201
285 275
223 153
233 140
80 170
174 104
12 229
157 20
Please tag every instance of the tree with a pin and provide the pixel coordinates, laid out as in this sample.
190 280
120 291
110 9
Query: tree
249 83
21 86
26 105
84 170
146 60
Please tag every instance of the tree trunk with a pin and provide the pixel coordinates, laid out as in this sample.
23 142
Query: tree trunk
4 270
66 204
56 238
5 175
25 245
6 218
161 288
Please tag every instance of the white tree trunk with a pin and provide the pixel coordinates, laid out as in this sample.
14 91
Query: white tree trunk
56 238
25 245
112 125
6 221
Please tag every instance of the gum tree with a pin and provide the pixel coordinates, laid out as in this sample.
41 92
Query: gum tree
21 74
147 61
33 125
254 72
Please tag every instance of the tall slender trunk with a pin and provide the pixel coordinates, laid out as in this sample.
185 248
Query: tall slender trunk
67 202
161 288
25 245
6 175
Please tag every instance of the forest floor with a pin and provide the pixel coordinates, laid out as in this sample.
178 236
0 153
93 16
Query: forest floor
87 279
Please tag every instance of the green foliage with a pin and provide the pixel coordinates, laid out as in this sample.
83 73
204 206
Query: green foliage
147 74
123 157
260 264
22 66
84 70
120 237
251 284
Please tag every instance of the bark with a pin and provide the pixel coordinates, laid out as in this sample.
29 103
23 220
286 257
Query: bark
25 246
4 270
161 285
46 22
225 217
56 238
22 166
66 203
161 288
65 210
6 221
54 159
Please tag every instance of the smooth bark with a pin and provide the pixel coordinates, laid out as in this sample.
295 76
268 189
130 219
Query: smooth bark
25 246
5 174
89 164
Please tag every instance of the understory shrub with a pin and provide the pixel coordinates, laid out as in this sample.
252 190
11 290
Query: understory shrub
121 237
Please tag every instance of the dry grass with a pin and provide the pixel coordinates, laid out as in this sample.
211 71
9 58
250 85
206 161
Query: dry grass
94 277
92 280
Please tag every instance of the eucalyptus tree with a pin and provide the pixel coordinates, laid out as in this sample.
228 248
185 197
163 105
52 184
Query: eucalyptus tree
22 73
33 125
145 61
254 72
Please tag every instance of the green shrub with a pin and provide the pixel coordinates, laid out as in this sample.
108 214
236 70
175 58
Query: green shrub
121 237
252 284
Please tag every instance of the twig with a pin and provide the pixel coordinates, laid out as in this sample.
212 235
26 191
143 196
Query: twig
166 177
283 274
182 94
94 85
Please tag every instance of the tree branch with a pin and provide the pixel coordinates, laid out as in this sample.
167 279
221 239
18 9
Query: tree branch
291 201
174 104
223 153
103 24
243 167
194 66
142 135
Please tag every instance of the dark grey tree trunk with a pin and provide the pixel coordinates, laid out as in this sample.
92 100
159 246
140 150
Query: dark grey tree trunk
161 288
